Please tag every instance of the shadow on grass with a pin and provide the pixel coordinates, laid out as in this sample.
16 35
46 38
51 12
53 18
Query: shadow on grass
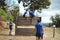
58 30
22 32
4 34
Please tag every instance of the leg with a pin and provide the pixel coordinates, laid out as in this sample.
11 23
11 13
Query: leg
37 38
10 32
42 36
41 39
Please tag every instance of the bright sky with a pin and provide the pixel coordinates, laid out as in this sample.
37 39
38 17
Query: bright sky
46 13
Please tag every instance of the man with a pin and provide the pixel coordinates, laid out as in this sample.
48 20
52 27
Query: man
39 30
10 26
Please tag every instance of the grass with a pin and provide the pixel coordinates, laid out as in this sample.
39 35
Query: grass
58 30
48 35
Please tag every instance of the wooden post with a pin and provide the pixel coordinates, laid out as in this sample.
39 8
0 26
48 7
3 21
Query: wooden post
53 31
15 25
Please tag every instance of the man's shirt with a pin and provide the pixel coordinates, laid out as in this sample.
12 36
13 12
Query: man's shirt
38 28
11 23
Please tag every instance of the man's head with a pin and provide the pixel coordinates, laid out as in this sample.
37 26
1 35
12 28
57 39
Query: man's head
38 21
10 19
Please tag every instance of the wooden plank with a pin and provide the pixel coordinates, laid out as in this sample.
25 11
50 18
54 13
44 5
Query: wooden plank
23 21
26 21
25 32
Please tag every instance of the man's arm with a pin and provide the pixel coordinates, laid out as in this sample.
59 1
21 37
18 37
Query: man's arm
42 30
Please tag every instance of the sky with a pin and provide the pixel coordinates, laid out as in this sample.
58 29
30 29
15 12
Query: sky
46 13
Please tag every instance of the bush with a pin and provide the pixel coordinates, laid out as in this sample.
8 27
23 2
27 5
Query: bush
7 16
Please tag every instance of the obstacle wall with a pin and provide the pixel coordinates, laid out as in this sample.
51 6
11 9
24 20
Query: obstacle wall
26 22
20 21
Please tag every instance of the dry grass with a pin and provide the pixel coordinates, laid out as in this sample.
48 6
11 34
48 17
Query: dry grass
48 35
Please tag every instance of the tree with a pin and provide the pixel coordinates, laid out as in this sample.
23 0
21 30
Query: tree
15 12
56 20
36 4
2 4
6 15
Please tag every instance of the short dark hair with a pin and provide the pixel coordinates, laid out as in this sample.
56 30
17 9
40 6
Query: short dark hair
10 19
38 21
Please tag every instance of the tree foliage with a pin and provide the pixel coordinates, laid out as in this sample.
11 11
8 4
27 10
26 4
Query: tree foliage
36 4
6 15
56 20
15 12
2 4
